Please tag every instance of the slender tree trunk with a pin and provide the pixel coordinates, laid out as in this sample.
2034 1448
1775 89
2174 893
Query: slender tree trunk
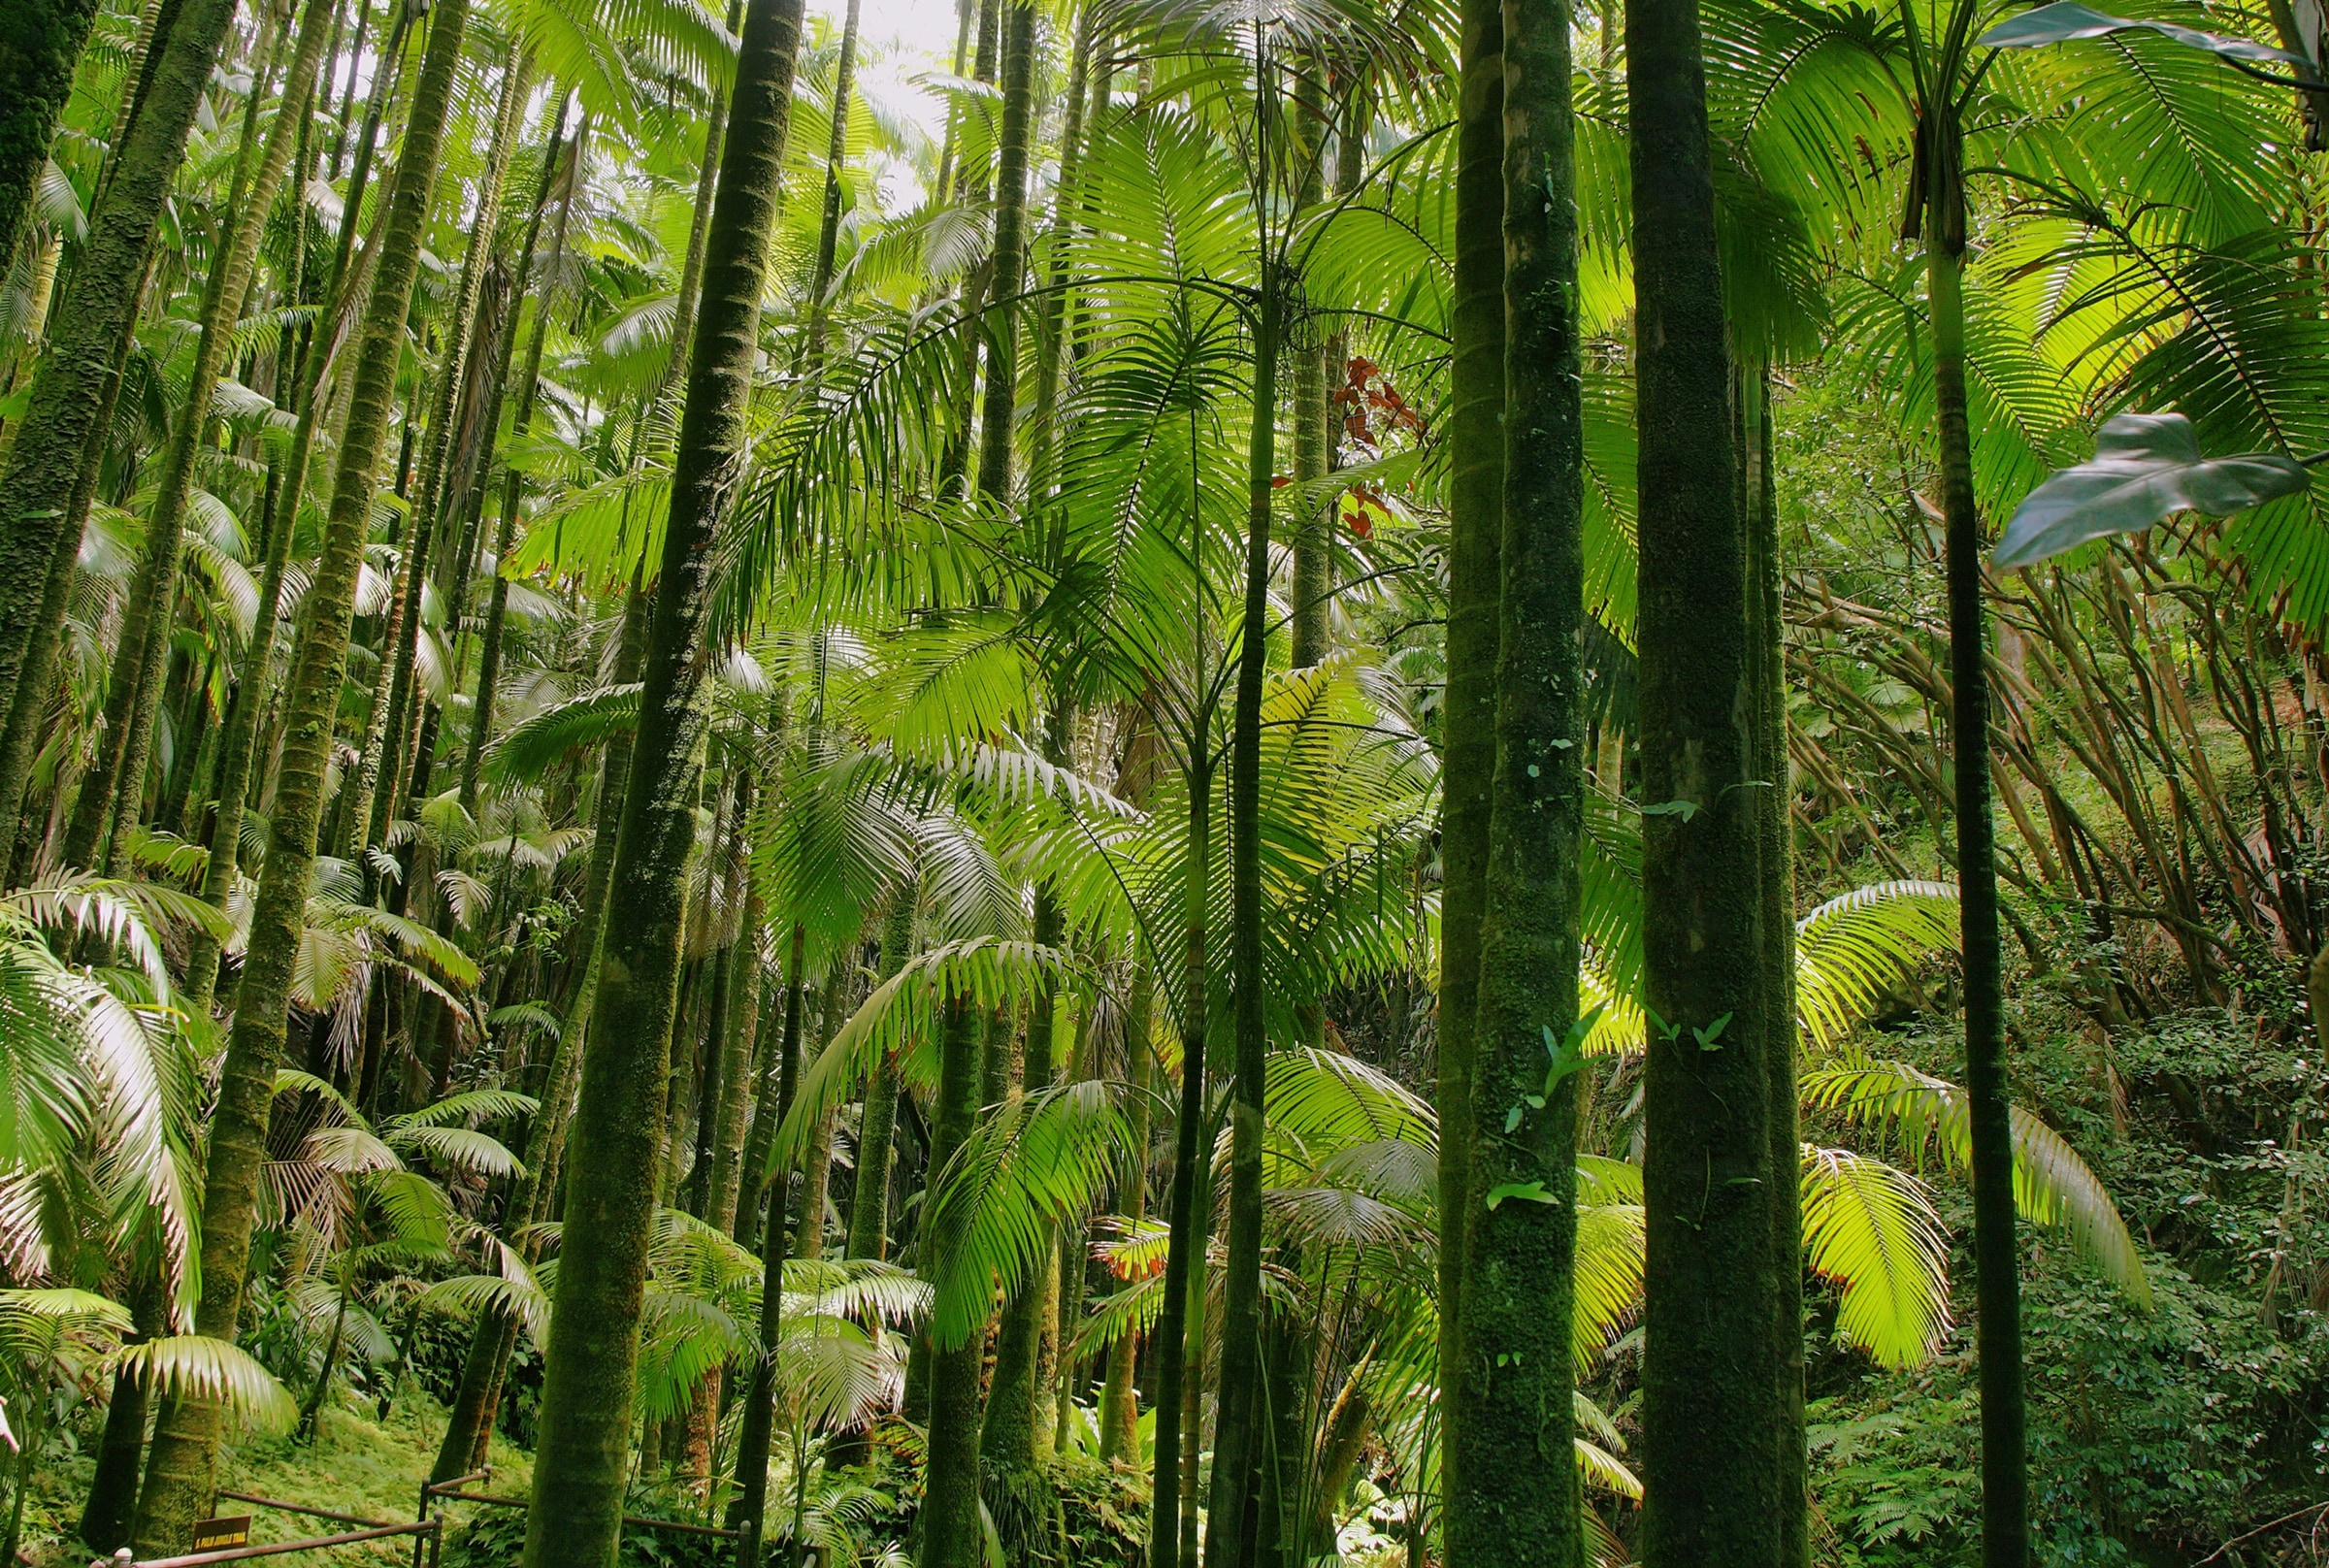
1237 1424
1013 1436
1313 584
110 789
592 1359
1119 1399
949 1525
185 1453
535 1198
240 749
85 347
1184 1255
1517 1501
112 1508
378 790
737 1065
1710 1419
489 663
691 268
2005 1480
1767 631
829 227
1469 723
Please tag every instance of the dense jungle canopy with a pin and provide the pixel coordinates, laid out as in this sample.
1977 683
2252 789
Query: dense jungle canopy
1166 782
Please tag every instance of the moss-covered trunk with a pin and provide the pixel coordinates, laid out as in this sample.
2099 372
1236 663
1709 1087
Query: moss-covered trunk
535 1198
385 766
36 77
41 502
580 1469
1468 722
1710 1423
1515 1499
178 1474
239 746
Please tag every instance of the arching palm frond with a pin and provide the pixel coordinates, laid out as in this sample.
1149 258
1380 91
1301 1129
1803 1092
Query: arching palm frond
2051 1184
1872 1229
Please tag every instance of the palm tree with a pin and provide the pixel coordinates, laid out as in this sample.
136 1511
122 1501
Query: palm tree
1714 1433
185 1448
112 788
39 76
1506 1413
579 1468
48 471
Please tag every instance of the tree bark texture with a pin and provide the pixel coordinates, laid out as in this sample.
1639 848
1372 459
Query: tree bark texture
580 1466
1710 1423
86 343
1469 723
180 1469
1515 1499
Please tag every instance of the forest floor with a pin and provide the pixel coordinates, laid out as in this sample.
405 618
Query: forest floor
356 1465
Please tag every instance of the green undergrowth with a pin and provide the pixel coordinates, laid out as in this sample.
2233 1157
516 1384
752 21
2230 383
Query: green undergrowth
358 1464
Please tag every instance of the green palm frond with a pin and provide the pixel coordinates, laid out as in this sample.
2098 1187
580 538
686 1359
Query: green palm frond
1872 1228
194 1366
1854 947
995 1208
2052 1186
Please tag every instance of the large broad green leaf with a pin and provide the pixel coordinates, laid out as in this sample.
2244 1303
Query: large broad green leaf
2146 467
2065 22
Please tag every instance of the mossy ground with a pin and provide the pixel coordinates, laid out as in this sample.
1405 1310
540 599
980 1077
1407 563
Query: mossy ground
357 1464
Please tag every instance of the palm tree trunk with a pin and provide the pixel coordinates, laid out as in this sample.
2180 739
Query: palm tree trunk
737 1065
112 1507
1469 723
691 267
185 1453
1313 583
489 663
878 1122
111 788
949 1525
1710 1418
535 1198
312 1407
239 748
829 227
1238 1426
1515 1499
592 1358
1184 1254
36 77
816 1163
1767 629
1012 1436
2005 1480
1119 1399
376 792
39 508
